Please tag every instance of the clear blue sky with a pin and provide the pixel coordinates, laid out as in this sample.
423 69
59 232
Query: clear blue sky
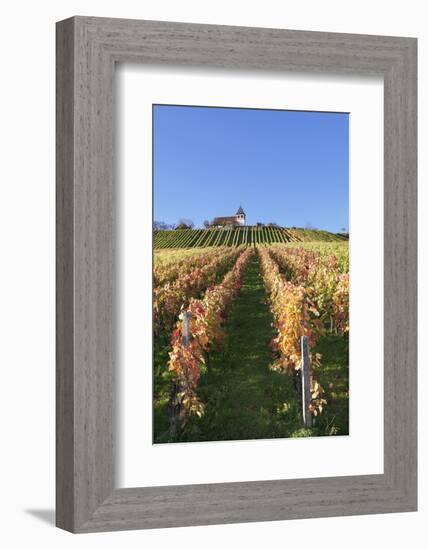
288 167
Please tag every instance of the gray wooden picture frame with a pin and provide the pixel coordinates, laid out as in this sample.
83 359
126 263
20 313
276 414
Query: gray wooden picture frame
87 50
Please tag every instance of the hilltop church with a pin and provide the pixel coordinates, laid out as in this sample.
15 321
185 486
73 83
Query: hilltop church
237 219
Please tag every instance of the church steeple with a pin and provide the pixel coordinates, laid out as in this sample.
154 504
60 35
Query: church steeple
240 216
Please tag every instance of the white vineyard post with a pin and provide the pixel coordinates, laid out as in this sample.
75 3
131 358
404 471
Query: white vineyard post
306 382
185 333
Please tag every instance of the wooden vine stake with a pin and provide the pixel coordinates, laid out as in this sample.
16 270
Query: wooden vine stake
186 315
306 382
305 375
176 411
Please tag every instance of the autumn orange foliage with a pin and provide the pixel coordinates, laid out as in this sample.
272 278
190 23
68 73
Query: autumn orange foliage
329 285
188 360
171 296
295 315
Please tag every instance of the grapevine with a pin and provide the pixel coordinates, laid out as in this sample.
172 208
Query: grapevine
295 315
324 275
187 362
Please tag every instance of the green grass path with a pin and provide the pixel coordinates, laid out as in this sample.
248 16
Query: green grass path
244 399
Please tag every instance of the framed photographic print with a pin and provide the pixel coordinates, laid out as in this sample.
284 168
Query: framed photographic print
236 274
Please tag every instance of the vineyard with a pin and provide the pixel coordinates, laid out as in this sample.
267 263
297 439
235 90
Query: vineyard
248 338
239 236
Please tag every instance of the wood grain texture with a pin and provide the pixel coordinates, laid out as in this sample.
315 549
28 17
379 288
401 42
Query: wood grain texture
87 49
64 276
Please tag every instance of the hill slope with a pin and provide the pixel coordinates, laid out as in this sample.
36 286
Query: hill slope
247 235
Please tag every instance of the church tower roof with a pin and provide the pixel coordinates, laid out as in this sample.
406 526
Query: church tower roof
240 211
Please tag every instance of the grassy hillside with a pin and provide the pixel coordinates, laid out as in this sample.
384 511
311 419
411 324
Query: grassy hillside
247 235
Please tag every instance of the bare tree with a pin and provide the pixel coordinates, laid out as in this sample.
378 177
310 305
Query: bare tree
159 226
184 223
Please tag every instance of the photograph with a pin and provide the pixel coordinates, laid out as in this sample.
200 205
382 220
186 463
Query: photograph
250 274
